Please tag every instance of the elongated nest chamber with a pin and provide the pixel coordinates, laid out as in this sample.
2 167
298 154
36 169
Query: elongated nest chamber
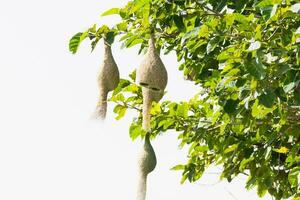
108 79
147 158
147 163
152 73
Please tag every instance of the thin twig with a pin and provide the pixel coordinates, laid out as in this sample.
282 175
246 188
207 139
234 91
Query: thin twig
273 33
131 106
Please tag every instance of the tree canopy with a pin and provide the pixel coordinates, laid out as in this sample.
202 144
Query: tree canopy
245 57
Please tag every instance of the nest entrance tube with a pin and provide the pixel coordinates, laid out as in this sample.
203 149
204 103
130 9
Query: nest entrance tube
147 103
101 108
149 96
108 79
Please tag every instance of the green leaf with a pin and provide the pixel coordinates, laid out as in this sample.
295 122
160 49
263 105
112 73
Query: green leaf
94 43
136 130
267 98
122 26
282 149
229 19
93 29
132 75
178 20
133 88
178 167
242 19
182 110
103 29
192 33
293 176
111 11
76 40
122 84
282 69
110 37
183 178
146 13
296 197
244 163
265 3
251 181
230 106
260 111
156 109
226 53
118 97
268 11
120 111
261 190
212 44
204 31
256 69
133 41
230 148
165 124
201 148
168 123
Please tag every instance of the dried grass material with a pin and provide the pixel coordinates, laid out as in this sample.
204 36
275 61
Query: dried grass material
152 94
108 80
101 107
149 96
152 73
147 163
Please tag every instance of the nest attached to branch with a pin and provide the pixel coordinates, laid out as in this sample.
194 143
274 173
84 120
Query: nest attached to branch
108 79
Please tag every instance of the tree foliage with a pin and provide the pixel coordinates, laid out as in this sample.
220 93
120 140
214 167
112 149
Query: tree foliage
245 57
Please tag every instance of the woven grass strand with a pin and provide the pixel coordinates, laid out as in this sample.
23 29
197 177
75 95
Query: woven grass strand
147 163
108 79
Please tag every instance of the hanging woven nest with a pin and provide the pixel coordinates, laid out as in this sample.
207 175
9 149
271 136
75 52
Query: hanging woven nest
152 73
152 76
147 163
108 79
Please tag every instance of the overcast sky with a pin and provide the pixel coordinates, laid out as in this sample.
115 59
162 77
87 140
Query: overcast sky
49 149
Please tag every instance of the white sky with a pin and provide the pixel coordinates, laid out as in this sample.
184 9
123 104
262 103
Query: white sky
48 147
